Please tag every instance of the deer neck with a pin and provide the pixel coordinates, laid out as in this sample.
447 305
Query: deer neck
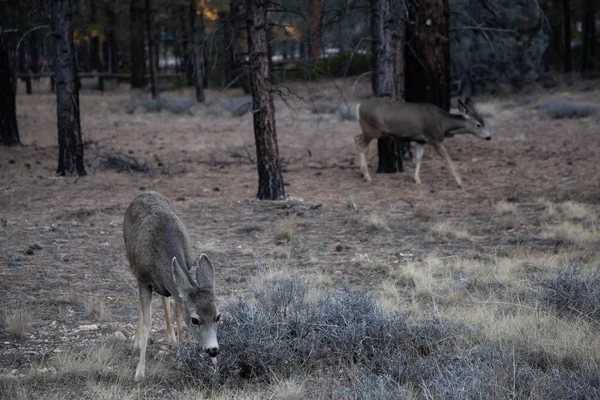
454 124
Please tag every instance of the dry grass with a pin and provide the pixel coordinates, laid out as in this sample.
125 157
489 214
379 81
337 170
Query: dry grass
376 223
17 321
448 230
576 233
288 389
505 208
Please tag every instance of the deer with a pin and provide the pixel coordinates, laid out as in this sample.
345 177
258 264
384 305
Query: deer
159 254
422 123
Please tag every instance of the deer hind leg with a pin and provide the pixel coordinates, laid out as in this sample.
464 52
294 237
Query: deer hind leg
419 152
179 318
171 341
144 324
441 150
362 144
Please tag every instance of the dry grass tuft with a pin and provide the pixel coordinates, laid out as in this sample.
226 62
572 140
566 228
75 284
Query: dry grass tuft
576 233
17 321
97 308
376 223
505 208
447 230
578 211
288 389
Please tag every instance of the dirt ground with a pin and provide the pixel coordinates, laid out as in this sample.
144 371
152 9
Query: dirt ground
61 246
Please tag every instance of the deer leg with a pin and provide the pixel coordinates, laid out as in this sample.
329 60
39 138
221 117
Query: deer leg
419 151
171 341
441 150
145 313
362 144
179 318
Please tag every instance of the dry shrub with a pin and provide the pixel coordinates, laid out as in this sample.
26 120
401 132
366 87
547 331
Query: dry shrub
17 321
447 230
574 293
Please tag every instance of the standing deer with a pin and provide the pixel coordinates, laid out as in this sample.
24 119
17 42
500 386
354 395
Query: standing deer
159 254
419 122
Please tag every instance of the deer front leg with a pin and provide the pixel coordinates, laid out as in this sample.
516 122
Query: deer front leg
146 321
179 318
171 341
362 144
441 150
420 150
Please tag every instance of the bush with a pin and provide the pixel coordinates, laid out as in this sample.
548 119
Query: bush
560 109
574 293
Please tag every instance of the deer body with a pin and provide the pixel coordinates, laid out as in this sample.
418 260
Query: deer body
419 122
159 254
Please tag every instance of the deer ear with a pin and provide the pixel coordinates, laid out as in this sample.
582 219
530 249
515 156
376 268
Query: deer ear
205 273
462 108
179 277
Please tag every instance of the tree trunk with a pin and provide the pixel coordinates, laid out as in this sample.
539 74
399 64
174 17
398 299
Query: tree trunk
112 60
192 34
387 31
428 55
35 53
589 21
151 49
23 67
136 42
9 131
316 25
199 59
70 145
567 36
184 37
270 180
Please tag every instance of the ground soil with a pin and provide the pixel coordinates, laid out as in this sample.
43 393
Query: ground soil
61 246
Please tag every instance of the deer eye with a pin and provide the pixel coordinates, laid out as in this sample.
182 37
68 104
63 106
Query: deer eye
195 321
478 125
218 318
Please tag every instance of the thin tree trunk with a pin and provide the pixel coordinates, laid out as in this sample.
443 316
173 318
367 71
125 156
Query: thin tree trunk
70 144
588 38
428 55
316 20
192 36
184 37
113 52
199 60
270 179
9 130
567 36
23 68
136 43
151 49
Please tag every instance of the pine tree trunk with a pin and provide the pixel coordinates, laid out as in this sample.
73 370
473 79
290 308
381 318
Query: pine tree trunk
270 180
189 72
112 60
70 144
136 43
151 49
199 60
428 55
567 35
9 130
589 21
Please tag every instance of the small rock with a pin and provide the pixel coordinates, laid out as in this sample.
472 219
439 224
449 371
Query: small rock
180 198
205 190
216 189
14 372
338 272
339 247
66 258
114 223
91 327
119 335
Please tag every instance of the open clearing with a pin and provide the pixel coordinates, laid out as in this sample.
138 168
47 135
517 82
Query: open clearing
528 211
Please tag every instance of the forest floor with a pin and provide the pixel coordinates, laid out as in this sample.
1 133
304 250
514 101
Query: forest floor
529 208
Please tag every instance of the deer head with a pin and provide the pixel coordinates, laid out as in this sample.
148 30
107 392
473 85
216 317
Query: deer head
475 123
197 302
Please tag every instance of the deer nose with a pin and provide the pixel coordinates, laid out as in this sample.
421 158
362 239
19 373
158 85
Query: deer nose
213 352
488 138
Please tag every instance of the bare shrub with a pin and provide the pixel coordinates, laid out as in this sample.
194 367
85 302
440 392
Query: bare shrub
284 334
575 293
561 109
17 321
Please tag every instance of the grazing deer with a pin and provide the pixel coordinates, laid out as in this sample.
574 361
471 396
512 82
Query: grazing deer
159 254
418 122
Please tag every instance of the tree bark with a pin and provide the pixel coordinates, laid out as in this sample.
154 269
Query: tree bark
70 144
387 31
270 180
9 130
428 55
568 66
113 51
136 43
199 59
589 21
23 68
192 34
151 49
316 29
